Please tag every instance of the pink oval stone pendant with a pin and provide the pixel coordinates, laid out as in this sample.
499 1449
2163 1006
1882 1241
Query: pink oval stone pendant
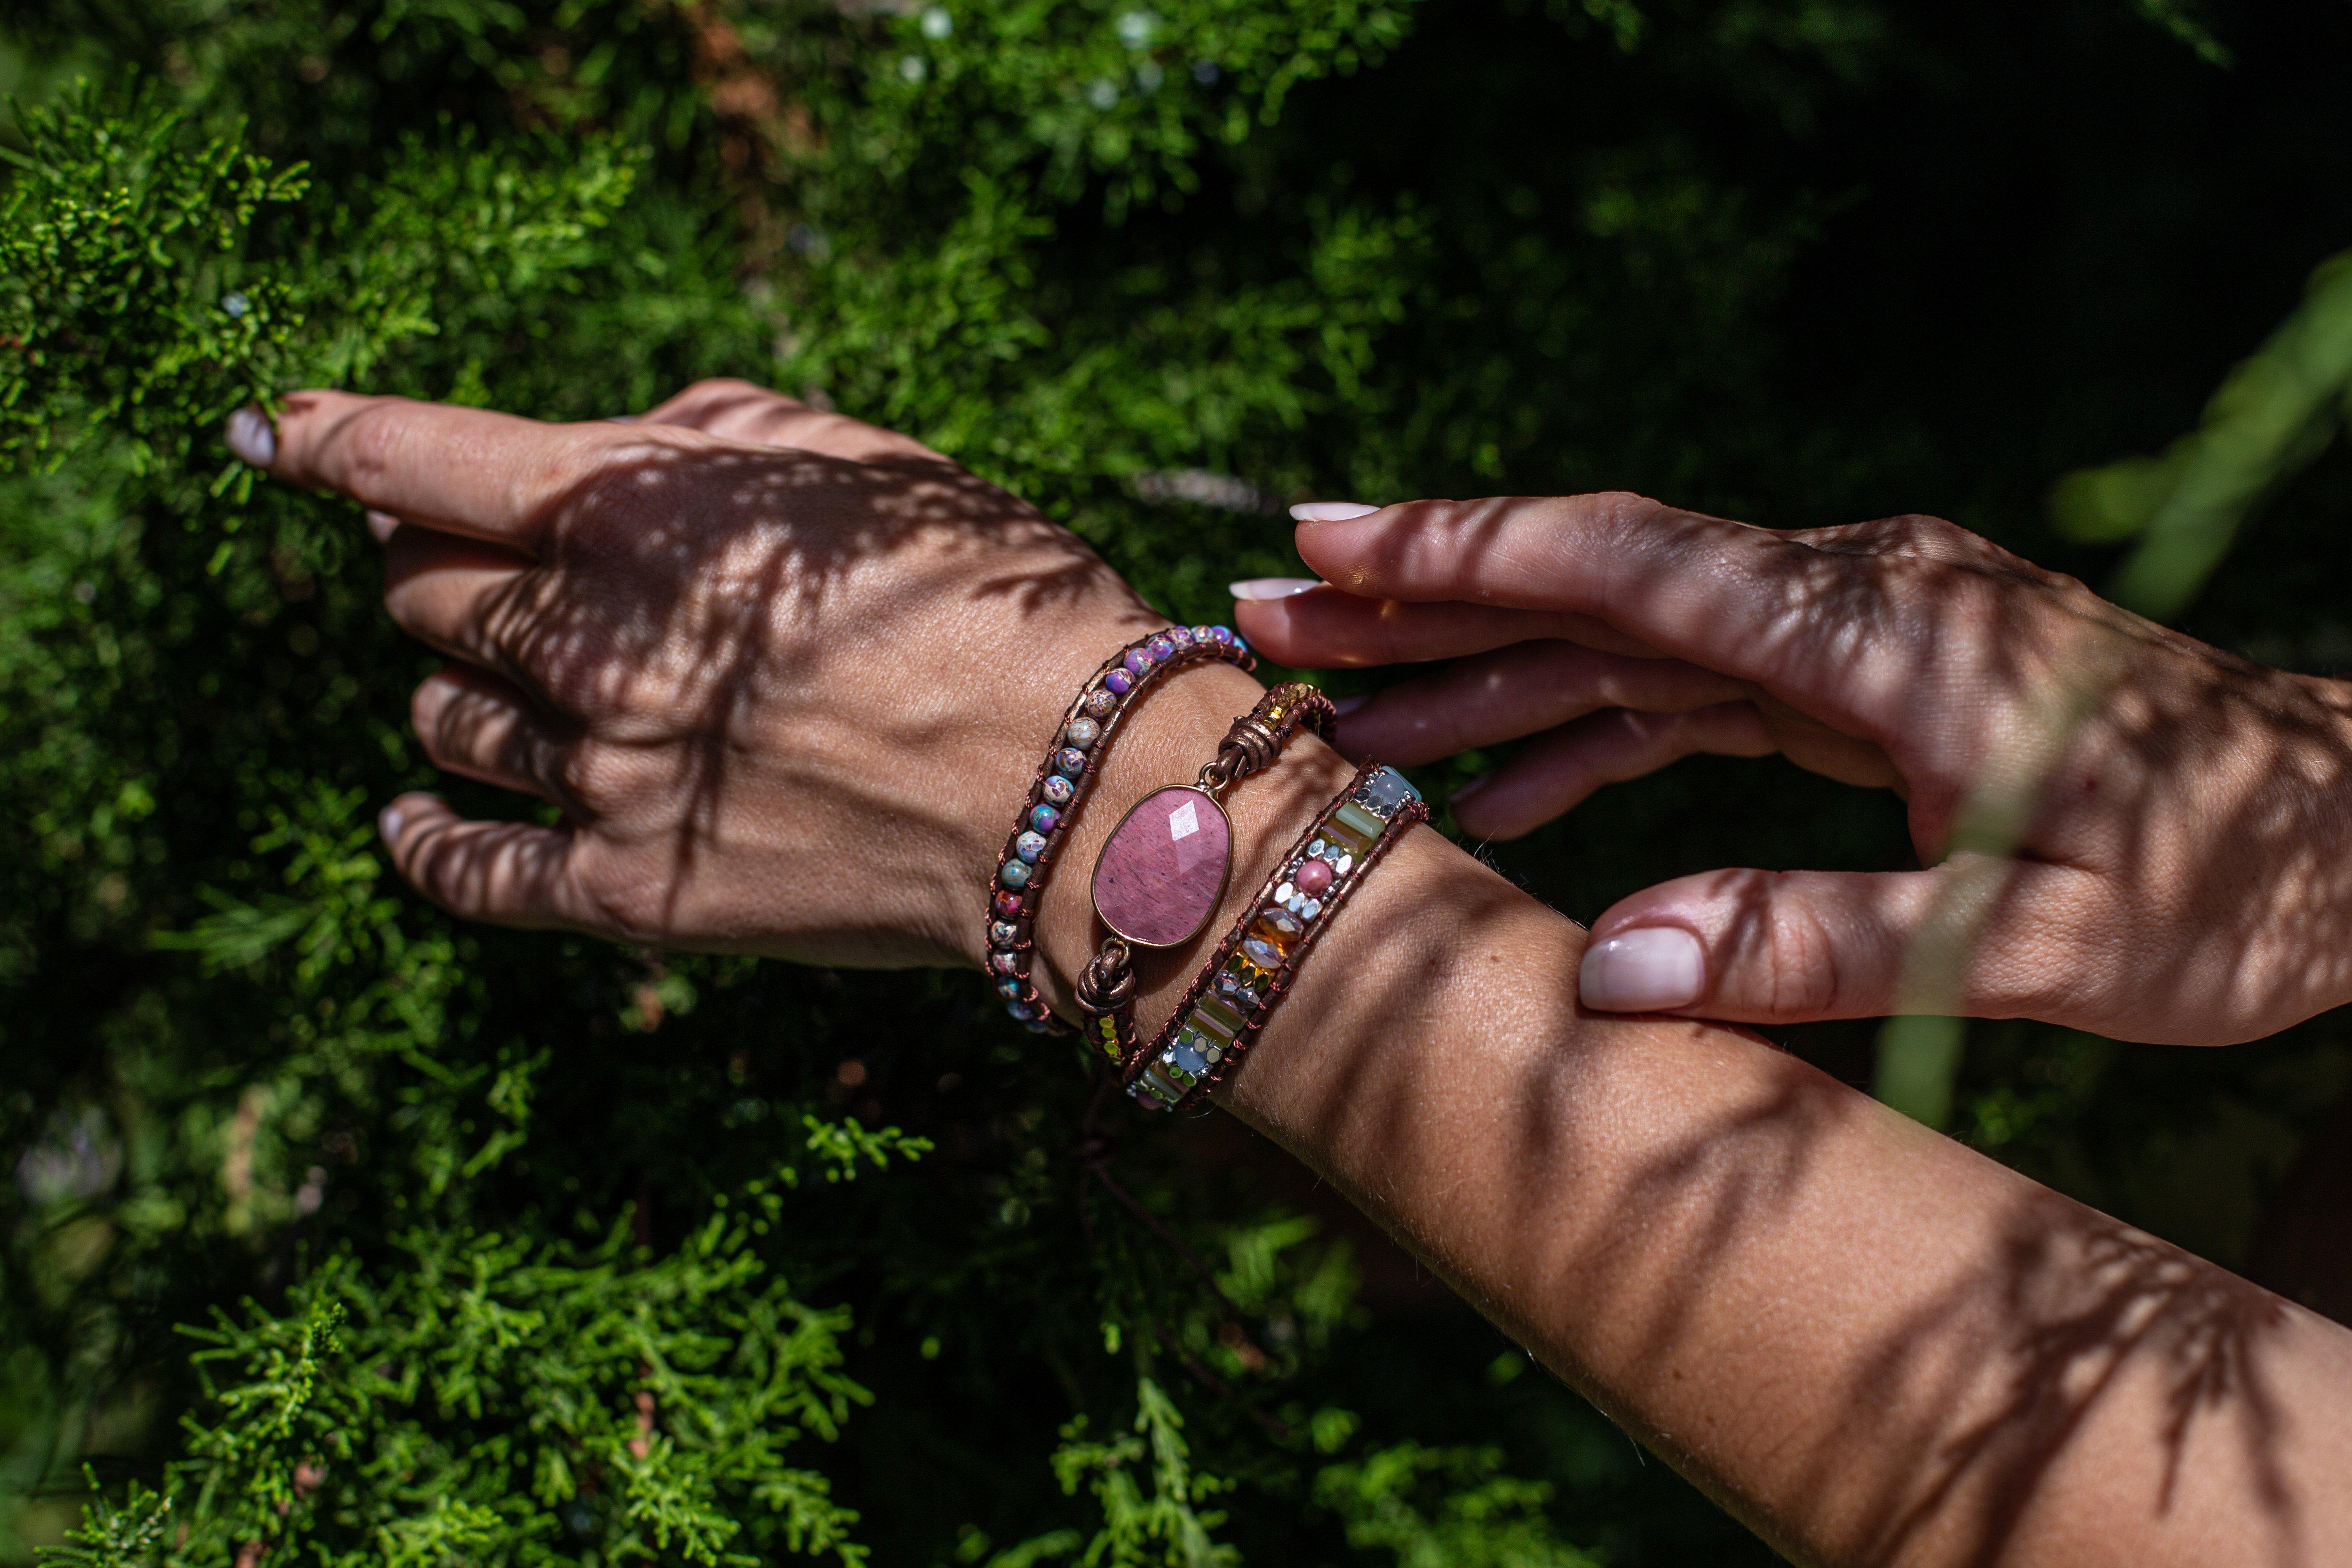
1159 876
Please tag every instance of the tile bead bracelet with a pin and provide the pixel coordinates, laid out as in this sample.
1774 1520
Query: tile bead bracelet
1163 871
1221 1013
1063 779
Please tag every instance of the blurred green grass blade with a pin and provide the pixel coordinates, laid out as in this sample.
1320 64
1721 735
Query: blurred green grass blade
2273 415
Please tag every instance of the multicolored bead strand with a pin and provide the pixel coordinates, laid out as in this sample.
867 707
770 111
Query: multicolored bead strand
1026 863
1222 1012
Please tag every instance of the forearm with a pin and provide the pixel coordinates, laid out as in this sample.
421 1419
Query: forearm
1868 1342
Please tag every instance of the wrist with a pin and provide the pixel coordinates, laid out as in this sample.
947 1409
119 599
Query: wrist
1165 740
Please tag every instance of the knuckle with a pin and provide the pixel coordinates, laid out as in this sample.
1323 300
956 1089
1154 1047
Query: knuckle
626 908
369 449
595 776
1793 959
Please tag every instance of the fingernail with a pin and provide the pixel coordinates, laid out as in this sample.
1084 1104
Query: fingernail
1643 971
387 822
252 438
381 524
1330 510
1273 587
1343 706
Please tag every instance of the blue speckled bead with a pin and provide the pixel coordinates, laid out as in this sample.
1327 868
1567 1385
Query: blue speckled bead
1059 790
1014 874
1070 761
1239 645
1044 819
1029 846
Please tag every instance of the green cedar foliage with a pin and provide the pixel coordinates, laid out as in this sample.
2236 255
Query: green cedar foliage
340 1232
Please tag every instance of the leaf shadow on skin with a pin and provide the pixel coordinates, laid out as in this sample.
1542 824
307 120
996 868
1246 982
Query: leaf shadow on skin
2079 1314
685 594
2024 710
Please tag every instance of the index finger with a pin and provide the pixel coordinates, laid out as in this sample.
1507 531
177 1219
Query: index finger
462 470
1746 602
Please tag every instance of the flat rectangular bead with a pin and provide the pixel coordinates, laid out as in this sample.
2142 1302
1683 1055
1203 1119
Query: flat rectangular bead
1358 821
1214 1017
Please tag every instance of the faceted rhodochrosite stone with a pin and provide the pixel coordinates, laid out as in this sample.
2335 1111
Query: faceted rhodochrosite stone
1159 878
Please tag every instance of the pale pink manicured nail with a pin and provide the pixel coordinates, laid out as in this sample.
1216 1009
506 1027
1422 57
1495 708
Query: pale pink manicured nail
1273 587
251 437
1330 510
387 822
1344 706
1645 970
381 524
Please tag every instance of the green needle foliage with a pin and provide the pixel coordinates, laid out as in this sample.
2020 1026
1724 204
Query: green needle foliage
334 1231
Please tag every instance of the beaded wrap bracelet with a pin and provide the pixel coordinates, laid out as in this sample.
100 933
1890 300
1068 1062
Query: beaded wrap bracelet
1163 871
1026 862
1221 1014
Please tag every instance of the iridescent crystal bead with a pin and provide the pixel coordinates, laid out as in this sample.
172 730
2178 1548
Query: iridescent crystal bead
1029 846
1082 733
1058 789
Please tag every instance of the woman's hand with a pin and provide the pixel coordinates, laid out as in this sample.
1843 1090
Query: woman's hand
2125 830
781 671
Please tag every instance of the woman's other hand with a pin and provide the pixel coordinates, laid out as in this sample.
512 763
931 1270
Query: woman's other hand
2124 830
781 671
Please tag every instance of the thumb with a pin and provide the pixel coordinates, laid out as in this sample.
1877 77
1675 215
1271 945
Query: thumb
1786 947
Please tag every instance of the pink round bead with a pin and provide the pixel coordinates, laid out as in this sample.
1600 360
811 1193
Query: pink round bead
1313 876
